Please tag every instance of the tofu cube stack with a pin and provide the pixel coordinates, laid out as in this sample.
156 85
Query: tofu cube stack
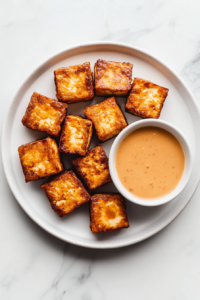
67 191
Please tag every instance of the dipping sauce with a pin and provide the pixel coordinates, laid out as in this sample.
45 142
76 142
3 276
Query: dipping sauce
150 162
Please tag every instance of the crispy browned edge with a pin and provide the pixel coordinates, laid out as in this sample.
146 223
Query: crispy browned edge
88 117
93 223
42 99
60 212
103 160
89 83
101 63
86 145
140 113
30 176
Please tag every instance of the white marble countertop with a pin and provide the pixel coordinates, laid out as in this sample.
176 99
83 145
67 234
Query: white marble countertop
34 264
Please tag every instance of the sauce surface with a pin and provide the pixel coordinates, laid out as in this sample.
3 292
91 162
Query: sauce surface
150 162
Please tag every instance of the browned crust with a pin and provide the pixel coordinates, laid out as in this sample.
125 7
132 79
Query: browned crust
64 145
75 71
66 176
53 157
95 156
96 211
116 88
133 109
38 100
93 113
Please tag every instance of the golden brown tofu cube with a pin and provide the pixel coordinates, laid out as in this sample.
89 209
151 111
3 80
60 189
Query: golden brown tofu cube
74 84
65 193
93 168
107 118
40 159
146 99
76 135
44 114
107 213
112 78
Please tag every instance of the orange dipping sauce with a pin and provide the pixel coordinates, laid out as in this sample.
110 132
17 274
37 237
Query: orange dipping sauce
150 162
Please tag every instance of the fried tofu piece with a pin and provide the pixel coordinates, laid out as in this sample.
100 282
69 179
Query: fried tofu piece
74 83
76 135
40 159
65 193
146 99
112 78
93 168
107 213
44 114
107 118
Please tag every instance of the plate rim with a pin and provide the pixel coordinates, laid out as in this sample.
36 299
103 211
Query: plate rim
117 243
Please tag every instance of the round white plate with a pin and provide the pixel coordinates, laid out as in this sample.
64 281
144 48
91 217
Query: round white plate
179 109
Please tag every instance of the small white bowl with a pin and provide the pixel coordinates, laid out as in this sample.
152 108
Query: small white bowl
188 161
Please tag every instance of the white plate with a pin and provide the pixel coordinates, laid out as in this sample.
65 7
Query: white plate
180 109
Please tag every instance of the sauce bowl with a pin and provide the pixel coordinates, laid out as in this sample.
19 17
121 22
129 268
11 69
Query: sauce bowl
187 168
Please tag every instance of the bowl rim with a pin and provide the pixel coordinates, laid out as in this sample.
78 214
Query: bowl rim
187 169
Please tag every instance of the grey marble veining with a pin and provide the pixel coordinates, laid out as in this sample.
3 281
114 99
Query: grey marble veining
191 73
36 265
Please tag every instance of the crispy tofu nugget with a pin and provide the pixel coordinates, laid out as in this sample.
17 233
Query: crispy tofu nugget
44 114
65 193
112 78
146 99
74 84
40 159
107 118
76 135
107 213
93 168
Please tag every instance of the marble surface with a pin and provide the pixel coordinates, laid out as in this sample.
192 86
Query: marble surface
35 265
